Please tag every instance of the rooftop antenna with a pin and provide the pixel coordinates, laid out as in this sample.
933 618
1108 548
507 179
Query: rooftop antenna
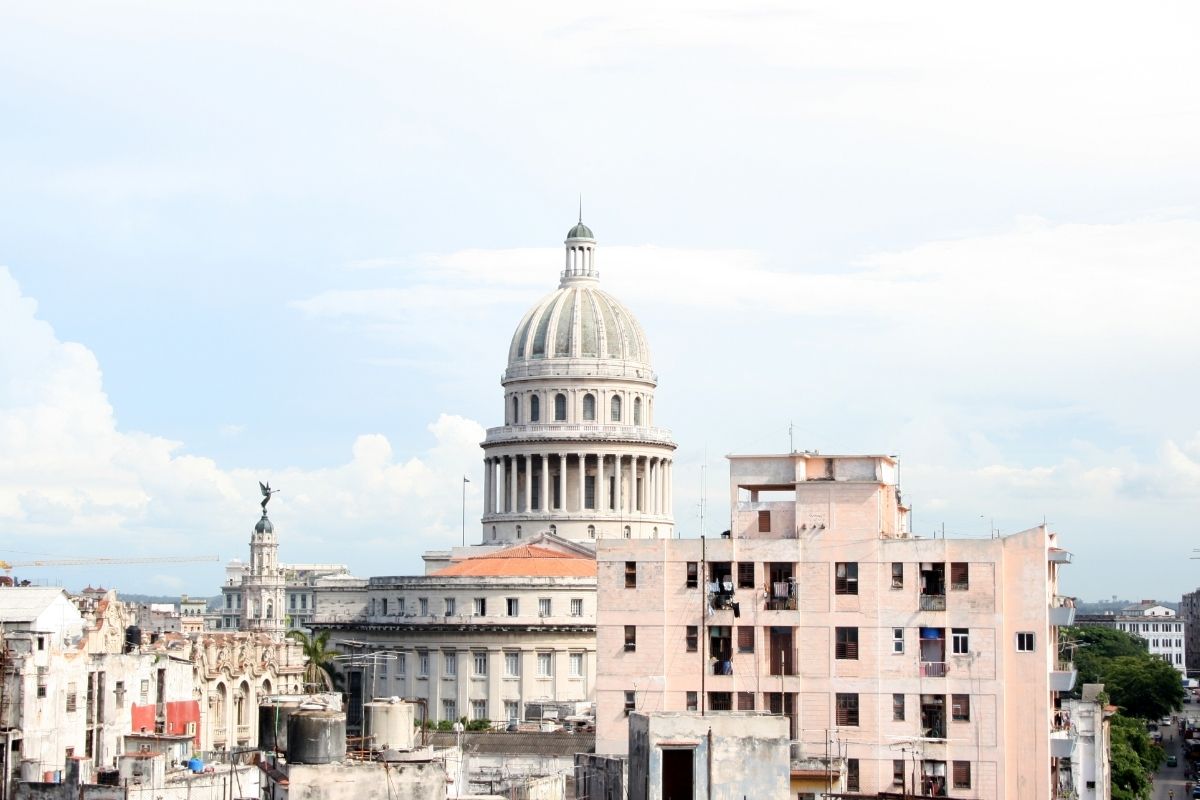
581 206
703 489
791 440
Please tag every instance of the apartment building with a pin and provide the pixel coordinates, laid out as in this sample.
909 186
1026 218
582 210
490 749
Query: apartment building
930 665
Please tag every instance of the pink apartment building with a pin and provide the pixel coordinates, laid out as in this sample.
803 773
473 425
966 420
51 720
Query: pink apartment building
926 666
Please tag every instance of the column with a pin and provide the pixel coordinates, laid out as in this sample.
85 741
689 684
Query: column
528 482
617 484
487 485
562 482
668 490
512 484
582 473
601 485
544 506
646 486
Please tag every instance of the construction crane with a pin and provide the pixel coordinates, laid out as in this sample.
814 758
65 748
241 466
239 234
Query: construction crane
8 566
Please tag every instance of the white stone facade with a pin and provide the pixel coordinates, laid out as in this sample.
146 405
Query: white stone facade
579 455
1163 631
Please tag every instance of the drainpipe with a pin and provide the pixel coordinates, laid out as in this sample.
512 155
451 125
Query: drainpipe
710 760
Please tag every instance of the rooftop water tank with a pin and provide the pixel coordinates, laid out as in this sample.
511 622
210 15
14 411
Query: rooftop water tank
316 737
390 724
273 722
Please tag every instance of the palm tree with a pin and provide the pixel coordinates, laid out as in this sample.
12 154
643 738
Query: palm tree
318 658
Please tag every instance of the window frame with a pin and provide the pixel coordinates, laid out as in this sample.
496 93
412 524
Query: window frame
1026 638
631 638
899 707
845 646
897 641
960 576
960 774
630 574
692 638
745 638
692 575
960 641
745 575
960 708
897 574
847 709
847 582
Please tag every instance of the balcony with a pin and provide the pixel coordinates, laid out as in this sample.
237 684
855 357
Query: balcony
1062 679
1062 744
1056 555
1062 611
933 602
722 667
587 432
934 669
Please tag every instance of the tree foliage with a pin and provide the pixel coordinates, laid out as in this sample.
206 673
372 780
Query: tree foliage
318 658
1132 758
1137 682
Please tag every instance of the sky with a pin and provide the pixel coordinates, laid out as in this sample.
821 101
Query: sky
291 241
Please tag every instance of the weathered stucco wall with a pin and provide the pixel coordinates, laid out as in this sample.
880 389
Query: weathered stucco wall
367 781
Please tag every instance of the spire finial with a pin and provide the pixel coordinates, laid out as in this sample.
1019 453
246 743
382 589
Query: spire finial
581 206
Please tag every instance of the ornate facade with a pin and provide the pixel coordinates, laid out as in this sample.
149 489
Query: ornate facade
578 456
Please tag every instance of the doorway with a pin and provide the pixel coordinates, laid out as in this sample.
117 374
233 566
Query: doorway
678 774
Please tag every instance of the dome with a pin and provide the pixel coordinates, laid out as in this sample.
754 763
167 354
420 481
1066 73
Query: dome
264 525
580 231
579 321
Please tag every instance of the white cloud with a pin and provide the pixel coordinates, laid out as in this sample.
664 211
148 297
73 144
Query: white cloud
74 481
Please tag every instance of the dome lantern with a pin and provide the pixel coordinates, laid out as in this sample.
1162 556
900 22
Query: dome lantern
581 254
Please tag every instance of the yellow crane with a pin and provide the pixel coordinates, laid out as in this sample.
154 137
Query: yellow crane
9 566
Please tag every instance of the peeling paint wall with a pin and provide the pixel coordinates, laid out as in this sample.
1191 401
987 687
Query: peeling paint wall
367 781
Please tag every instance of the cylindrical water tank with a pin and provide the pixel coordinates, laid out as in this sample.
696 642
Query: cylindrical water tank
390 725
316 737
31 770
272 724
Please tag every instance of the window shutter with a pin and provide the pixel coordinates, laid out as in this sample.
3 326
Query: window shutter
764 522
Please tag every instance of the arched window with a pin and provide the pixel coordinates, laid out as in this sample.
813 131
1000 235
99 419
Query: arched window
560 408
654 532
493 531
518 531
553 529
591 531
627 532
616 408
589 407
516 411
637 411
270 610
535 408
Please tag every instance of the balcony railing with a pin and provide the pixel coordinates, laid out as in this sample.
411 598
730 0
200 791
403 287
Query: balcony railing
934 669
720 667
1062 611
933 602
579 432
1062 678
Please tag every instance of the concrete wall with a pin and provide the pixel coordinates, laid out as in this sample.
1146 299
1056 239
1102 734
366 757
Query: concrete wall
734 756
599 777
367 781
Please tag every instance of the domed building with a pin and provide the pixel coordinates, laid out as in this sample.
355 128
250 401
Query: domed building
578 455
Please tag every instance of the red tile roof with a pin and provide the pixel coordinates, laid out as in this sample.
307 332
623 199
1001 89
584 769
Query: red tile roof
523 561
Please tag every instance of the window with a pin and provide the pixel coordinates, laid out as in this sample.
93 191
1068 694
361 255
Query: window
960 707
962 774
518 531
535 408
423 604
481 606
560 408
852 779
591 531
616 408
630 638
480 660
449 711
745 701
764 521
960 643
543 606
450 664
589 499
589 407
637 411
720 701
512 664
693 638
692 575
745 635
846 643
630 574
450 606
118 692
693 701
628 531
422 665
479 709
745 575
1025 642
959 576
630 701
516 410
897 575
71 697
897 772
897 640
898 708
575 665
846 577
847 709
399 605
512 607
576 606
401 664
292 603
512 710
545 665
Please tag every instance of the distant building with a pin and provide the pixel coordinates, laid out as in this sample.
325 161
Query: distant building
1082 731
192 611
931 666
486 637
1156 624
1189 612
